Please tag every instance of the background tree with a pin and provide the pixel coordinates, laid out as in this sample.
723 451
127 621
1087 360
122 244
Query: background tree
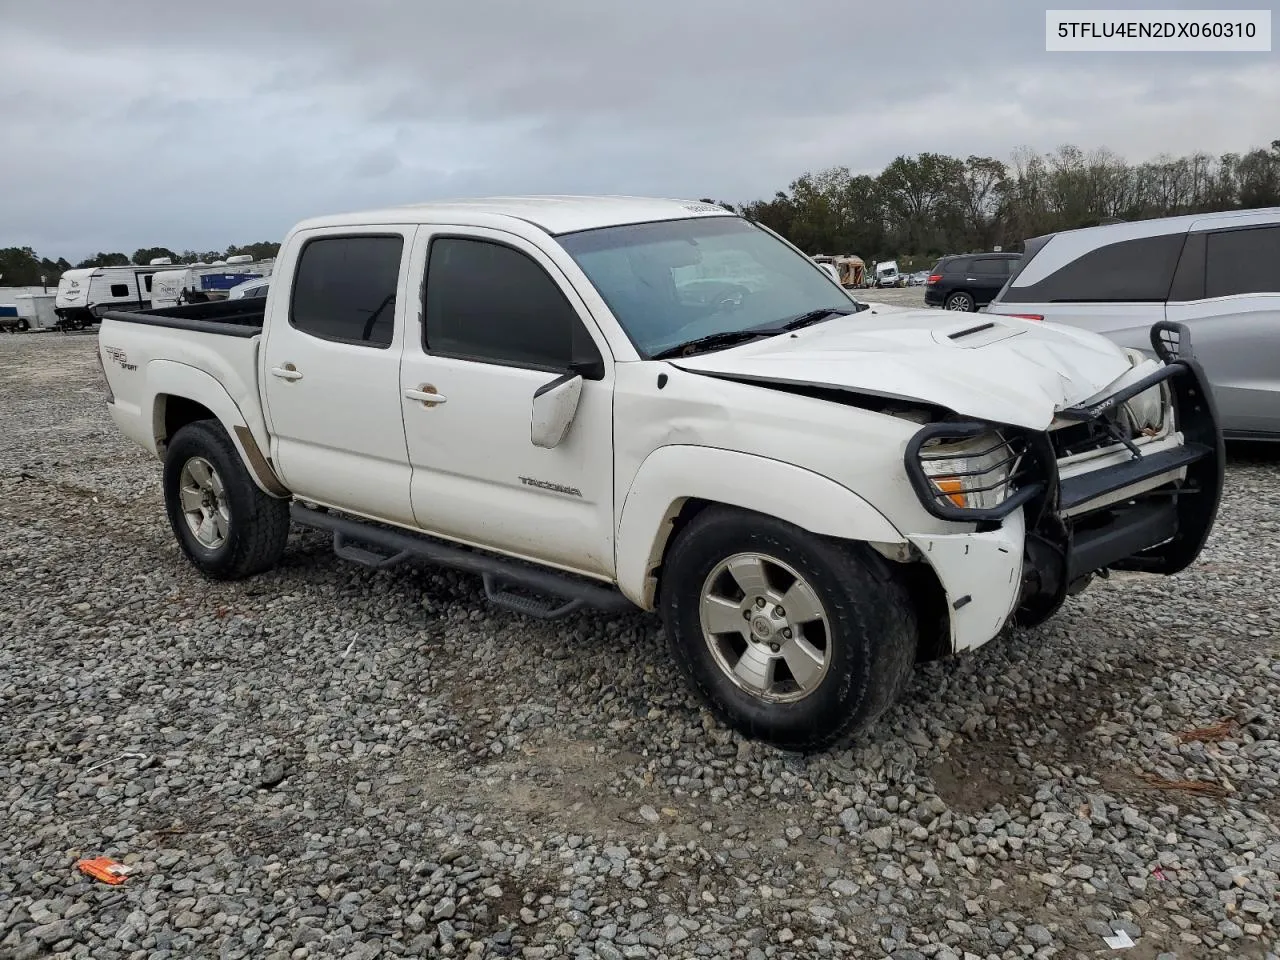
105 260
144 255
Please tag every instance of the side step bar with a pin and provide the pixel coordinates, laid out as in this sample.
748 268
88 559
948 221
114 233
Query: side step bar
379 547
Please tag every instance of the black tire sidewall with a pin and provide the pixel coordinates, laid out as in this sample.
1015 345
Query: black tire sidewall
849 594
207 439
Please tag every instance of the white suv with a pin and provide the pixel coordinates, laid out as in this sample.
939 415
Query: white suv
1218 273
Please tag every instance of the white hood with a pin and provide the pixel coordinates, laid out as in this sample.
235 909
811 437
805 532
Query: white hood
984 366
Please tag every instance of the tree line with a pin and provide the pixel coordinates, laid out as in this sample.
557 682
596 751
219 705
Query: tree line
920 206
23 267
930 205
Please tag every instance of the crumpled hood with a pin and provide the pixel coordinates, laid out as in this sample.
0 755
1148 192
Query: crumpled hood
980 365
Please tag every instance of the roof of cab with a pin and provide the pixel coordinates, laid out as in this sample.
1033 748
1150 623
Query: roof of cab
553 214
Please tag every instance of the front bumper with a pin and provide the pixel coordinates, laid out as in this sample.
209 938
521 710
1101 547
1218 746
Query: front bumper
1151 511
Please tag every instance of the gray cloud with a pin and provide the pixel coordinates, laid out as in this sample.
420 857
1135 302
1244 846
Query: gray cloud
204 126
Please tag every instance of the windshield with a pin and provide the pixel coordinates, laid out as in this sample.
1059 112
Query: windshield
680 280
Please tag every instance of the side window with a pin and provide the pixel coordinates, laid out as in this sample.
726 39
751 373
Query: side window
988 267
119 289
344 288
959 265
1130 270
1243 261
488 302
1010 265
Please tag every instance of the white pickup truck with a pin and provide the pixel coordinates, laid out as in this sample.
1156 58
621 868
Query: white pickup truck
629 403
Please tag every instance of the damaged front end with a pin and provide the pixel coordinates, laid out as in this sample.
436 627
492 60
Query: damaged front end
1130 481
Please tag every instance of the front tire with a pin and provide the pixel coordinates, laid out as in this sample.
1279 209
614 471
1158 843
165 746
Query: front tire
23 325
227 527
961 301
791 638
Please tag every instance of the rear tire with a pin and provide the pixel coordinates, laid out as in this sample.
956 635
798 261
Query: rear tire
851 632
960 301
23 325
227 527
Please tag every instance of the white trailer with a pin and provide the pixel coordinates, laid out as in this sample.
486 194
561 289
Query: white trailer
201 282
35 311
84 294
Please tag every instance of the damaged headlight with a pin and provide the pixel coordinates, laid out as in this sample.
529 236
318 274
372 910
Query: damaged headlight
974 473
1146 411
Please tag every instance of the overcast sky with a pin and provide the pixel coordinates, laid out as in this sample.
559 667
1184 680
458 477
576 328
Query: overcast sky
131 123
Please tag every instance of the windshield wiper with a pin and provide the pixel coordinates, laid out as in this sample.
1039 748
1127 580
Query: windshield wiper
713 340
814 316
730 337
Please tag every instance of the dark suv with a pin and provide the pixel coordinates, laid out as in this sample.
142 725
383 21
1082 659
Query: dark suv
970 281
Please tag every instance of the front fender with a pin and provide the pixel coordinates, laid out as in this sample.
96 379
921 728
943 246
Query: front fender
672 475
248 432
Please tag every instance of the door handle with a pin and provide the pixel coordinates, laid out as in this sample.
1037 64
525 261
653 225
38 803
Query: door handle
428 394
286 372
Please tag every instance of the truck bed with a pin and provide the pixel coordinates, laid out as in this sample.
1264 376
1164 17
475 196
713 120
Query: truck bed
229 318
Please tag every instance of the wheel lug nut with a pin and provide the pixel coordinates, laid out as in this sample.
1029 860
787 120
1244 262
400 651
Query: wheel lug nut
760 602
779 612
774 647
786 634
746 614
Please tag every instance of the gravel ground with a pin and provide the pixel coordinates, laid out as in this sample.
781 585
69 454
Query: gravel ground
333 762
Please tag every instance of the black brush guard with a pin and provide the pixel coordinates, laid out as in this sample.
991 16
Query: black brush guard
1162 531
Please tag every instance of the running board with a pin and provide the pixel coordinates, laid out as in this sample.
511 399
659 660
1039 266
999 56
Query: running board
378 547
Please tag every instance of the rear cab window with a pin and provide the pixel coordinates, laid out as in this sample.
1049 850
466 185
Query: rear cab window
344 289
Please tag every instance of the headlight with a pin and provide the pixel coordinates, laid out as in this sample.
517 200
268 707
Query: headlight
974 473
1146 411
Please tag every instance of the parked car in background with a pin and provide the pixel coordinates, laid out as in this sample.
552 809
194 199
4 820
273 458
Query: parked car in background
968 281
254 289
1218 273
918 278
813 496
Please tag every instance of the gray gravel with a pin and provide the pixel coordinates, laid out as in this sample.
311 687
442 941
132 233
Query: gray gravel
332 762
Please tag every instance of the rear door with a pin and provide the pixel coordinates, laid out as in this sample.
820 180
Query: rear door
500 322
330 369
1227 292
985 277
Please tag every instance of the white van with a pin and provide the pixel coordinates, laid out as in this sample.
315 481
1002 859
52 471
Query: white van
84 294
1218 273
887 274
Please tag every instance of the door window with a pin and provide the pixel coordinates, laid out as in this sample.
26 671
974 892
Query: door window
489 302
989 267
1139 270
1243 261
344 289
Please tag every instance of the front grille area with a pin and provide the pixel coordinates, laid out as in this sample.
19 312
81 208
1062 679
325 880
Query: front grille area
1076 438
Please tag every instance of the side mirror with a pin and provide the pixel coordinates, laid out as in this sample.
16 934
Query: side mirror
555 404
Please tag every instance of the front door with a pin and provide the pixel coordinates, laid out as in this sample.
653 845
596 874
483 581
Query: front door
330 370
500 321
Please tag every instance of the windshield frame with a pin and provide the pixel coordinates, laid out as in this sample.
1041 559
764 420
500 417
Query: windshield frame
842 303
